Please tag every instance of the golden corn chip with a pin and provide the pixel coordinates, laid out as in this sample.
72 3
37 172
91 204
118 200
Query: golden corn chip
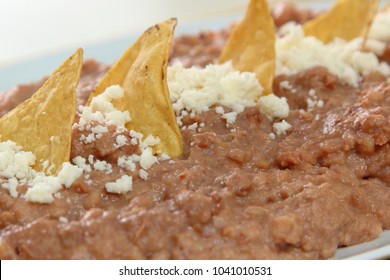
251 45
347 19
142 73
43 123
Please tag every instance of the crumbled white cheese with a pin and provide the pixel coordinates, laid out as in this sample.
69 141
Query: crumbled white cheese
42 189
230 117
196 90
90 159
219 110
151 141
120 141
134 141
281 128
102 165
286 85
68 174
137 137
312 92
47 167
178 120
273 106
82 163
375 46
120 129
11 184
313 100
310 103
89 139
143 174
86 165
135 158
16 167
121 185
15 163
103 104
147 158
164 156
101 113
320 103
127 163
295 53
193 126
99 129
380 27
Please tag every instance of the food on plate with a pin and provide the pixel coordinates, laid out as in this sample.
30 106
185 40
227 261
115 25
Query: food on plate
43 123
295 171
251 45
347 20
141 72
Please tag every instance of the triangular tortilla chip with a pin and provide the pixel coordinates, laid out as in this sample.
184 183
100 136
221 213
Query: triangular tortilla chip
251 45
347 19
43 123
142 73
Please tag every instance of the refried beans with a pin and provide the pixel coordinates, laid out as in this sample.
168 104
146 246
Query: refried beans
236 193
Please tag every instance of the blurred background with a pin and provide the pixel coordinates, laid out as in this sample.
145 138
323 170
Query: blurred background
29 28
35 36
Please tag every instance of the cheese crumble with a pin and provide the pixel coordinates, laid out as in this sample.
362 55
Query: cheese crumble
16 168
121 185
196 90
281 128
295 53
68 174
102 111
147 158
379 33
274 107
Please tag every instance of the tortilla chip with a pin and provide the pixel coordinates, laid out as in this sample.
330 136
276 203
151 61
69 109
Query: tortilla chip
142 73
347 19
251 45
43 123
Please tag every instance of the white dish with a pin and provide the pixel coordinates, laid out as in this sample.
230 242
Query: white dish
376 249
